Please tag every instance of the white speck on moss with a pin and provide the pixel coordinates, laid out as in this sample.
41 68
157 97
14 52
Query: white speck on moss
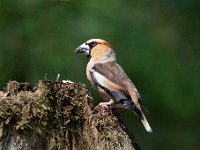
67 81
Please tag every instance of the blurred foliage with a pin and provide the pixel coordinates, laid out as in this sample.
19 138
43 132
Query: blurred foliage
157 43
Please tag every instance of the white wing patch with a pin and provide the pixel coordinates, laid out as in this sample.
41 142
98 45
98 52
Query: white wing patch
103 81
99 78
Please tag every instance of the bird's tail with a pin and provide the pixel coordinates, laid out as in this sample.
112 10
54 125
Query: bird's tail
143 119
137 110
145 123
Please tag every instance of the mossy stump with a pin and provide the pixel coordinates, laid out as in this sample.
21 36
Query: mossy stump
57 116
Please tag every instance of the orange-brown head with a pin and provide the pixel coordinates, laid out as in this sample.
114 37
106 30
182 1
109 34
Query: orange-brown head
97 49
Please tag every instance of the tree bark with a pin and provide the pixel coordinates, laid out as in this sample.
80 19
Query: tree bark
58 116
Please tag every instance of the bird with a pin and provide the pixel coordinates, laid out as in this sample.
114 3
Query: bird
110 80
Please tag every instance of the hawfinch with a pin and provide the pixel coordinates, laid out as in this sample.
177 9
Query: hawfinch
110 80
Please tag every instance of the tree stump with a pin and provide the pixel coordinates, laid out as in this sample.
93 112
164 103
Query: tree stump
58 116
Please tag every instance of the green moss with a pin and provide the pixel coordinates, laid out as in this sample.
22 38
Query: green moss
48 110
57 116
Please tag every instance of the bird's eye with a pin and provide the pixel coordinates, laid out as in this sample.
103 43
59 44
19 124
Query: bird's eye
93 44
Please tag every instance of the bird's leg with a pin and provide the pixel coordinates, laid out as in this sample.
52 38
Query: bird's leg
106 104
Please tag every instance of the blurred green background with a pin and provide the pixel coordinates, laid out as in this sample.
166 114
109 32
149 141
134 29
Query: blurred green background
157 44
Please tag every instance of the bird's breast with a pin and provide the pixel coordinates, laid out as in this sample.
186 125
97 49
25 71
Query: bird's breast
89 67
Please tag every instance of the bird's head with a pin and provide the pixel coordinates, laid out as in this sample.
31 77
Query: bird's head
96 48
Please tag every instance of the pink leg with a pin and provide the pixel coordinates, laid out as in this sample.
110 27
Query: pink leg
104 104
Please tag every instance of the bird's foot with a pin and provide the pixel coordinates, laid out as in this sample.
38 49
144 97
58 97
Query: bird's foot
104 105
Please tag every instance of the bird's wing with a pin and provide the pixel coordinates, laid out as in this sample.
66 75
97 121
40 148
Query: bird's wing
115 79
111 89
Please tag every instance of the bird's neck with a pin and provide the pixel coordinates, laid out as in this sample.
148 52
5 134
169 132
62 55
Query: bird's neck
107 58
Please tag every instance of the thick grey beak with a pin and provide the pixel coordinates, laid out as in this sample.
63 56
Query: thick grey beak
85 49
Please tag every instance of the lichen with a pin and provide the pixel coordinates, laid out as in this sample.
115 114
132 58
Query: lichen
49 110
56 115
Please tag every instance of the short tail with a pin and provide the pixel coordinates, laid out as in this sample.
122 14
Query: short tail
145 123
143 119
130 106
